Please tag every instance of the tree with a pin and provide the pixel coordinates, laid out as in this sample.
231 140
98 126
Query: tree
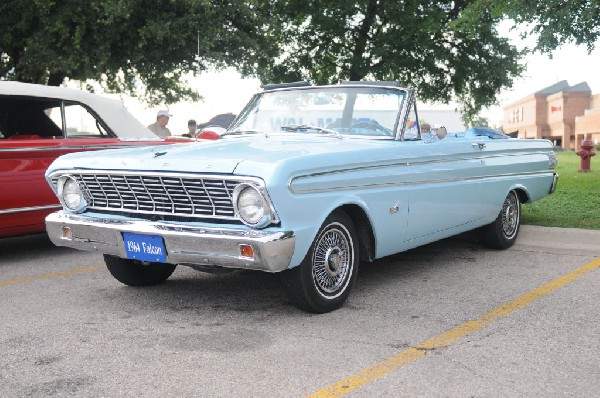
554 22
443 49
479 121
132 46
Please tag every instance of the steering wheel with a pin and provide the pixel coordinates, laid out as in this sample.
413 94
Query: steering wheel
371 125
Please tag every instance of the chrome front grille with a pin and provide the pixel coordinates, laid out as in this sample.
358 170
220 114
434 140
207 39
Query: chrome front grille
172 195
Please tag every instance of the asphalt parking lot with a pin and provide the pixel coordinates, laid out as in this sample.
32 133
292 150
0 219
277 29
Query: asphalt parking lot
450 319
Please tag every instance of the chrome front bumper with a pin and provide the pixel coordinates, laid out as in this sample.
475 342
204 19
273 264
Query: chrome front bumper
184 244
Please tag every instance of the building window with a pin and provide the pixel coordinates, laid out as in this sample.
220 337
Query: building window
517 115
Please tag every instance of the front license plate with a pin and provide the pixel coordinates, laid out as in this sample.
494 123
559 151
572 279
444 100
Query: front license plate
144 247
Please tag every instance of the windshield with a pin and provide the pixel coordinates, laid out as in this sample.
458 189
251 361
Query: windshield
371 111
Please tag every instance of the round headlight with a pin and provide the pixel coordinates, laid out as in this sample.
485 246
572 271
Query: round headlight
251 205
71 195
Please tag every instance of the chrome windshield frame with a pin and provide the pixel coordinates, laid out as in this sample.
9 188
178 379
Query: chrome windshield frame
401 115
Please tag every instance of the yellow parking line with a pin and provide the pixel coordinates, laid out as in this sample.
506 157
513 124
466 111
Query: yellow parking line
48 276
411 355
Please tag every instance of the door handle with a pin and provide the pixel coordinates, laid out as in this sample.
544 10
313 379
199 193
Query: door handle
479 145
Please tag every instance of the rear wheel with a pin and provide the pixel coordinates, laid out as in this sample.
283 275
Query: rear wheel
138 273
502 233
323 281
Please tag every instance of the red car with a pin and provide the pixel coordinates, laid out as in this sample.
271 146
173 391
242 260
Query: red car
37 125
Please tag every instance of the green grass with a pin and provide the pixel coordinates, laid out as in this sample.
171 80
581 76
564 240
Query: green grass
576 201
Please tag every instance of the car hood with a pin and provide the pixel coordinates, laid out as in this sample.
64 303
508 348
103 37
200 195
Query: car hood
255 155
192 157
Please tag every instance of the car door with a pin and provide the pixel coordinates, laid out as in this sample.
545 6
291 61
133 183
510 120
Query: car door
444 190
442 178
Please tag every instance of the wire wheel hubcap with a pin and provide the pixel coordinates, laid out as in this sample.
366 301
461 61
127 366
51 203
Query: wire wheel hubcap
510 215
332 261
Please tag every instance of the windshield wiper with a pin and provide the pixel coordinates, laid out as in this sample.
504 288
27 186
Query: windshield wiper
299 127
242 132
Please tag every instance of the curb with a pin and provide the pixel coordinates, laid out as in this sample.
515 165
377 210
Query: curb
580 241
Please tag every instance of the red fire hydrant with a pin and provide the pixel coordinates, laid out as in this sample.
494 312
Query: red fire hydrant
586 154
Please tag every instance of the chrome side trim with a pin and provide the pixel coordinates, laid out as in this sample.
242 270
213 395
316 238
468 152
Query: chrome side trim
412 183
32 208
416 163
62 148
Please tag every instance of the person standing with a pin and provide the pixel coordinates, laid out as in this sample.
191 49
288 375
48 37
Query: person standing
160 126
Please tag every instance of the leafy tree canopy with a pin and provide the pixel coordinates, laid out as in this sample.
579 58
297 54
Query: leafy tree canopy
479 121
447 50
555 22
128 46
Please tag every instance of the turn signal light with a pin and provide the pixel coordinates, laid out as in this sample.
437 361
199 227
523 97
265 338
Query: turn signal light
67 233
246 251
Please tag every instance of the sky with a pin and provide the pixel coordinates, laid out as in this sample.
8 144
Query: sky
226 91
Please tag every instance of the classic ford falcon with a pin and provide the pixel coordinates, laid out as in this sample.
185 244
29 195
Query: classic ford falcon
308 181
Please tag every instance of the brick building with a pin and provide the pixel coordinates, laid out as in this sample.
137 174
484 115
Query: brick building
561 113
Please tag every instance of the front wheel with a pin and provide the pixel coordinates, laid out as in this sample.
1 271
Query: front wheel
502 233
138 273
322 282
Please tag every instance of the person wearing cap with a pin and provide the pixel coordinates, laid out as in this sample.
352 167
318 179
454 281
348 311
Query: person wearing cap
160 126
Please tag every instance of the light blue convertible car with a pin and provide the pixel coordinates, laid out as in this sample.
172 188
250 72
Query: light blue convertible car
308 181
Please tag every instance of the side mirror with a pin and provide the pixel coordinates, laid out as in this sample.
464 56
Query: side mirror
210 133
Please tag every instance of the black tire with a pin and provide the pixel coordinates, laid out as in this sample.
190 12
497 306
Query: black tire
138 273
324 279
502 233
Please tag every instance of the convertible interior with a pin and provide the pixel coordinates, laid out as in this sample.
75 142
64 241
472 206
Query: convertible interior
23 117
28 118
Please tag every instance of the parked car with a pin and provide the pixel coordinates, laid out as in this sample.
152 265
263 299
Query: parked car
308 182
37 125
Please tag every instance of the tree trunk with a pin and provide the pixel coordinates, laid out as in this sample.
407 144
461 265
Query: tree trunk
357 70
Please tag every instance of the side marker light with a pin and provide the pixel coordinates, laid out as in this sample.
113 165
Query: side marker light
67 233
246 251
